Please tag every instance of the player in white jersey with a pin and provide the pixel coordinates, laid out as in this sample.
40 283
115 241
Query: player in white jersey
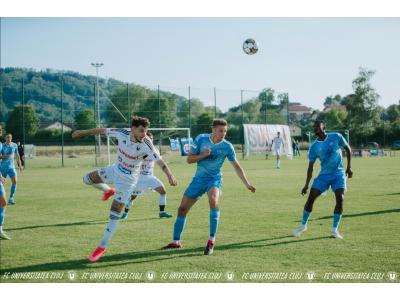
277 143
147 181
133 148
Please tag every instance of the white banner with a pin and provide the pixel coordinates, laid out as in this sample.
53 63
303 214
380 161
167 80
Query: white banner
258 138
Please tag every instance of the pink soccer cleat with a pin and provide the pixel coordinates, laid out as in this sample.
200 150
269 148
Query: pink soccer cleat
108 194
173 245
97 254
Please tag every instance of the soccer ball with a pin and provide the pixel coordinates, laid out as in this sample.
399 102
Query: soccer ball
250 47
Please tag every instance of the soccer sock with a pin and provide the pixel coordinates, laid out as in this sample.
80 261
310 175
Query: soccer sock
178 227
110 229
214 218
2 216
336 221
101 186
306 215
163 199
278 163
162 208
13 190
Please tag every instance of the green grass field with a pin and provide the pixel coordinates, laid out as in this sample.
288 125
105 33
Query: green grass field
58 221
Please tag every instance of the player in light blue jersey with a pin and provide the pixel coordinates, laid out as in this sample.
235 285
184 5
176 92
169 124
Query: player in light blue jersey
8 154
327 147
209 152
3 201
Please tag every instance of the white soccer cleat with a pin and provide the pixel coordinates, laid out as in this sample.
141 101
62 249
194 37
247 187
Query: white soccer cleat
336 234
299 230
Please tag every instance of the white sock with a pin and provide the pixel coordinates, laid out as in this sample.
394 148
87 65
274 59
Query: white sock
1 228
163 199
102 187
110 229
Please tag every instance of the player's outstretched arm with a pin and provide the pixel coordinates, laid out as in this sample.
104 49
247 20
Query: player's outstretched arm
171 178
94 131
309 176
194 158
239 171
349 171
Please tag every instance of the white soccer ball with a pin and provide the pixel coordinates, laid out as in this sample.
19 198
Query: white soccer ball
250 47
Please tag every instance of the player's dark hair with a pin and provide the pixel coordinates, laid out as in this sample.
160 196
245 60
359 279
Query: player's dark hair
140 121
318 122
219 122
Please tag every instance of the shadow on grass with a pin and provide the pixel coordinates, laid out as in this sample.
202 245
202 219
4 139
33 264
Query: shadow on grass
83 223
368 213
153 255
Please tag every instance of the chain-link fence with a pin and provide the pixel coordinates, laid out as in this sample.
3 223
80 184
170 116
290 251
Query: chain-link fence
44 110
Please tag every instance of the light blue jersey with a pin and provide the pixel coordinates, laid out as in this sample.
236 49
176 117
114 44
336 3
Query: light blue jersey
332 171
211 165
12 150
208 173
329 153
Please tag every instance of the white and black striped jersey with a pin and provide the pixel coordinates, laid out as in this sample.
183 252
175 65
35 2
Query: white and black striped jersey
130 154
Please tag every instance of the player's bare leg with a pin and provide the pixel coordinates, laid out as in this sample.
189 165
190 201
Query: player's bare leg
213 198
314 194
94 179
185 206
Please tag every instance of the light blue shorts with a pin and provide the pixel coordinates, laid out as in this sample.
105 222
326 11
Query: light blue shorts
8 171
324 181
202 185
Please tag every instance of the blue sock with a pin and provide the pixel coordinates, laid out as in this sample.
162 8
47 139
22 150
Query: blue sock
178 227
336 220
2 215
306 215
214 218
13 189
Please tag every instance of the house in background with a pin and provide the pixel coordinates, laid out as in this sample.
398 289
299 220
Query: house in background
295 130
54 125
297 112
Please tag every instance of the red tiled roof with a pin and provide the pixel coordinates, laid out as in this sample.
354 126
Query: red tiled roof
298 108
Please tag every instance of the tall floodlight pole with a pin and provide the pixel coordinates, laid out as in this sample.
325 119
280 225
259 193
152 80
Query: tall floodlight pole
97 66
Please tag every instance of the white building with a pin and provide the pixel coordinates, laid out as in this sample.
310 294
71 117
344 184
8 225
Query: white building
54 125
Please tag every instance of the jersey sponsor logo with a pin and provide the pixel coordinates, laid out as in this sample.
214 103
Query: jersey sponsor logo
124 170
127 155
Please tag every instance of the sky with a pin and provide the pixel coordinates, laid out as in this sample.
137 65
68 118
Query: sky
309 58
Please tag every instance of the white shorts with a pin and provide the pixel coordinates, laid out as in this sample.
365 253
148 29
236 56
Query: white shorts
277 151
146 182
124 186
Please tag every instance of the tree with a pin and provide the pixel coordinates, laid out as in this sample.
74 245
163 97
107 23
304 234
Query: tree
334 119
266 97
14 122
362 105
85 120
329 100
203 124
